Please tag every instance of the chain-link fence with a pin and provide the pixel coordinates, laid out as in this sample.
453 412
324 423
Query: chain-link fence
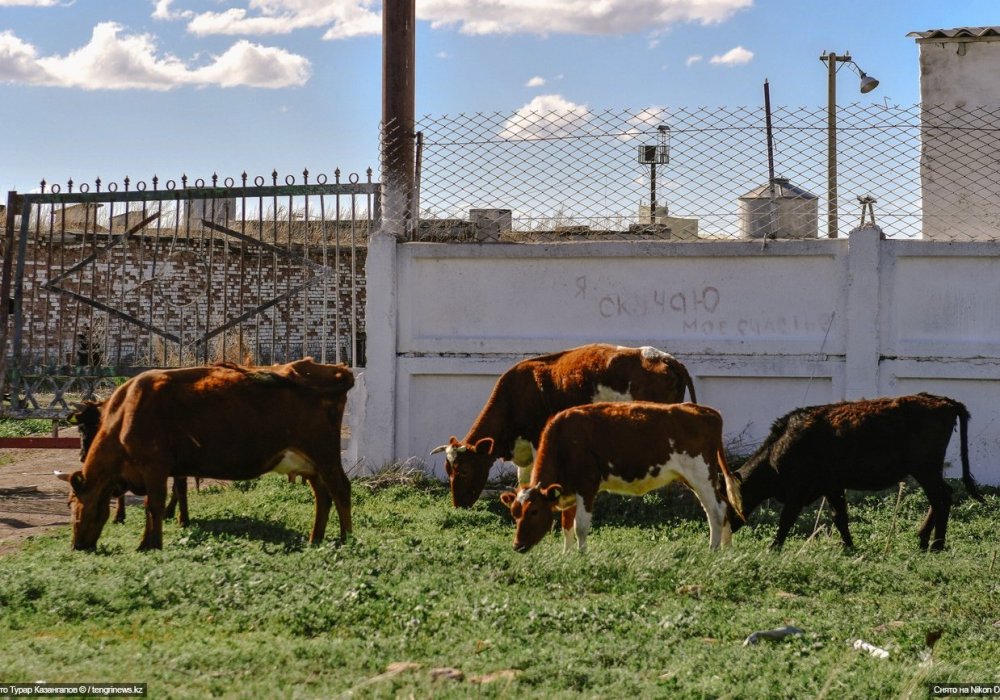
692 174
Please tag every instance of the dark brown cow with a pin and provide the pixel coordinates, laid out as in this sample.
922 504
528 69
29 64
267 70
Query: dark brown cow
87 419
864 445
624 448
220 422
527 395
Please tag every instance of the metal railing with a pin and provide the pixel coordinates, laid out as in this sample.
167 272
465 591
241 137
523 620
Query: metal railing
106 280
920 172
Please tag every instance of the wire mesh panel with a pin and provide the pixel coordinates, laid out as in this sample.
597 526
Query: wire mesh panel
108 283
575 173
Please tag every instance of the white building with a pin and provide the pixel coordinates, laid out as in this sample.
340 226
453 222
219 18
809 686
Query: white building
960 96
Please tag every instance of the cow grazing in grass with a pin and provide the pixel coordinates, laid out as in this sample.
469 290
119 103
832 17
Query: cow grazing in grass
864 445
624 448
528 394
87 419
220 422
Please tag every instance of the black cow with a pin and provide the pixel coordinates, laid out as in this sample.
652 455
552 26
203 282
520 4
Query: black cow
864 445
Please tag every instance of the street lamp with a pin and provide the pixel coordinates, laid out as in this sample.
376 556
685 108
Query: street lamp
868 84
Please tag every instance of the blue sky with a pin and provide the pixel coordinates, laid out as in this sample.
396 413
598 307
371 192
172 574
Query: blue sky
109 88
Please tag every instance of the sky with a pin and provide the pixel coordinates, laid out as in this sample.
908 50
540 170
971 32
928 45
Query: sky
137 88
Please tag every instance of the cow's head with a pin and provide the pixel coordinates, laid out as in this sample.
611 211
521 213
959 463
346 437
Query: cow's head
89 502
532 509
468 467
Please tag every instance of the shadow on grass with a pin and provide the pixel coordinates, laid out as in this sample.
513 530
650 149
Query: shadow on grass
246 528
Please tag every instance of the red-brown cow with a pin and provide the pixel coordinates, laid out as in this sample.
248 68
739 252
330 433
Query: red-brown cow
87 419
527 395
865 445
624 448
220 422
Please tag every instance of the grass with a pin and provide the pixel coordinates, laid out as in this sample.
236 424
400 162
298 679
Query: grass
237 605
10 427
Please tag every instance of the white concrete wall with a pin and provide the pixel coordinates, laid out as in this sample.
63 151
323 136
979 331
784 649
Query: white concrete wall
763 330
958 78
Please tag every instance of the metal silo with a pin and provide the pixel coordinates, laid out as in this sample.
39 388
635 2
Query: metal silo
781 211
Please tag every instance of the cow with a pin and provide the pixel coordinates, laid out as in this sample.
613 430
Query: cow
865 445
624 448
220 422
87 419
528 394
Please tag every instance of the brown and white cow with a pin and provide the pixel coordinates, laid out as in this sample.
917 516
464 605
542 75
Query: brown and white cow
527 395
623 448
865 445
220 422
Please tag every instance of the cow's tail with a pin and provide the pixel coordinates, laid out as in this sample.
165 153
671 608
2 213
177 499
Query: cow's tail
963 423
732 487
688 382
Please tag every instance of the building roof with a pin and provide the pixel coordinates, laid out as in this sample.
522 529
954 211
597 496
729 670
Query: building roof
957 33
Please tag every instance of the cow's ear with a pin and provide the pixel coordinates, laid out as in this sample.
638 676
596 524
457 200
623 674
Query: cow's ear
508 498
78 482
483 447
552 493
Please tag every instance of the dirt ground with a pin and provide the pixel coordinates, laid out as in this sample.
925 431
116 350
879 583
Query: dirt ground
32 500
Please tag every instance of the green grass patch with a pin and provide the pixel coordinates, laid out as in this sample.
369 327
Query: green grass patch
238 605
11 427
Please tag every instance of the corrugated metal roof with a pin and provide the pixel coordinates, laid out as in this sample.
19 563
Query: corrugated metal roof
959 32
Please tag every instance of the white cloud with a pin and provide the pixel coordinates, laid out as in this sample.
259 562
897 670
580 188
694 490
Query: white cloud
537 81
733 57
29 3
350 18
691 60
546 117
161 10
343 18
573 16
644 123
653 43
112 60
442 55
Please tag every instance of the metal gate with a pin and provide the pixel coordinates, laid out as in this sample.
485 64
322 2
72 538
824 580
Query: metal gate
101 285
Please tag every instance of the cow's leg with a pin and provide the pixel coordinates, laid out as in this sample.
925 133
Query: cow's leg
939 494
156 497
180 494
323 502
719 532
567 519
120 509
789 513
341 489
581 523
168 513
838 504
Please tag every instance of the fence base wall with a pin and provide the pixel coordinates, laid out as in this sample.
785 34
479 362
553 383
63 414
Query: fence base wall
763 328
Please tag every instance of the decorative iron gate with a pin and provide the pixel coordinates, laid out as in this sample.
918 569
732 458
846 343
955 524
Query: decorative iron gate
99 285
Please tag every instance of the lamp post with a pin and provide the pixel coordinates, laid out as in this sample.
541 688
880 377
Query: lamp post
868 84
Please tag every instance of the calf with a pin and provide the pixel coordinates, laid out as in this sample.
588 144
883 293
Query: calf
87 418
527 395
865 445
625 448
221 422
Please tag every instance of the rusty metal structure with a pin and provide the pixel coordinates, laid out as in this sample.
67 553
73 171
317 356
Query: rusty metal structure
103 281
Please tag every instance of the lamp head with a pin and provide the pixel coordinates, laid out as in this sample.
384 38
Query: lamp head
868 83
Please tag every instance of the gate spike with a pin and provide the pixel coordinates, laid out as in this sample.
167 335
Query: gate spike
244 178
98 183
155 181
215 179
184 181
274 176
305 176
126 181
69 185
43 184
